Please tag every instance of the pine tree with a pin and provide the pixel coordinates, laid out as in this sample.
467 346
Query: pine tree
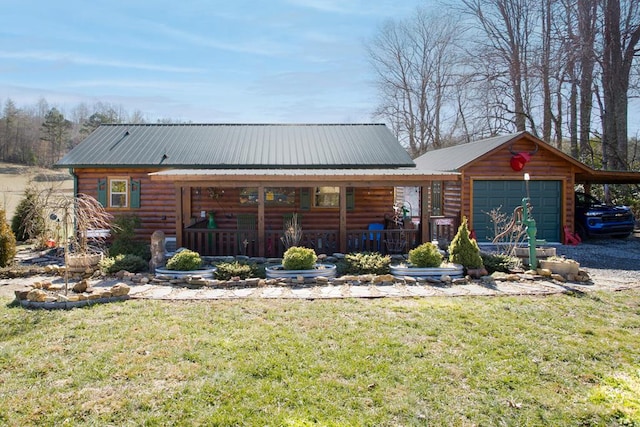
463 250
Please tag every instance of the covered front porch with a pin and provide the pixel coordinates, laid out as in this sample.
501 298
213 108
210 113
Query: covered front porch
246 212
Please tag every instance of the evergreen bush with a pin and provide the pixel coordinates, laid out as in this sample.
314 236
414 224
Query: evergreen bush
228 270
124 232
299 258
365 263
500 262
128 262
426 255
463 250
28 221
185 260
7 241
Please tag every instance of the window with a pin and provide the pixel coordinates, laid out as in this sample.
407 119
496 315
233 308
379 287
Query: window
118 192
327 197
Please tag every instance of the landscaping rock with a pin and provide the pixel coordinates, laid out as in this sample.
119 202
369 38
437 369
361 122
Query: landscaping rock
544 272
81 286
383 278
21 294
120 289
37 295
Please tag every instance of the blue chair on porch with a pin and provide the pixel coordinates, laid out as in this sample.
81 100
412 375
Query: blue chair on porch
375 237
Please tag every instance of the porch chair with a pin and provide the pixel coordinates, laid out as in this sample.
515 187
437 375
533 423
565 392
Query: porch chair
374 238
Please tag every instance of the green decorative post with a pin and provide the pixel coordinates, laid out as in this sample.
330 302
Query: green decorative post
530 226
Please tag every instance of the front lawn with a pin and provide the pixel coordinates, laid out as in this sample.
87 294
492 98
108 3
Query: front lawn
555 360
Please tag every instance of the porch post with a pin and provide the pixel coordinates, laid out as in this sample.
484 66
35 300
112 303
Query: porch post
343 219
178 208
261 228
425 213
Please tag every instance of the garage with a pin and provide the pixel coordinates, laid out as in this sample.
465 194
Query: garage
545 198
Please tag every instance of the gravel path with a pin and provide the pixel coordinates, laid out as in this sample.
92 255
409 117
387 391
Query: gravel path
610 260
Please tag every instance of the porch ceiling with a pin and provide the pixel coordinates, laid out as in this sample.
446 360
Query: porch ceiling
350 177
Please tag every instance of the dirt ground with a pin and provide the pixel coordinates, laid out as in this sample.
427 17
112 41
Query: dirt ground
14 179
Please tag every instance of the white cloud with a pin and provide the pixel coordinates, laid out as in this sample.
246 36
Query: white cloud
72 58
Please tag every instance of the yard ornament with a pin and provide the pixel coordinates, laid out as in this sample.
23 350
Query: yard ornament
518 160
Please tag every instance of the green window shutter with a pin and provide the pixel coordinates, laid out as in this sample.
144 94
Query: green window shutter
351 198
102 192
305 199
135 194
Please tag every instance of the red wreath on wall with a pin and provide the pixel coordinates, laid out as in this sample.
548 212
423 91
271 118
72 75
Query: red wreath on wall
518 160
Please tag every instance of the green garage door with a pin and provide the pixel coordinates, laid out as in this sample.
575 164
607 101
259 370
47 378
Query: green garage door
545 198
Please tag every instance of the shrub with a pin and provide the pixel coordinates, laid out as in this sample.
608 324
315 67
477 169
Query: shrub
124 232
425 256
500 262
463 250
28 221
7 241
228 270
366 263
185 260
130 263
299 258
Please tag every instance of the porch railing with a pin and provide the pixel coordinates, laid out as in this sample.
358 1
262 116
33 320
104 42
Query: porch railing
223 242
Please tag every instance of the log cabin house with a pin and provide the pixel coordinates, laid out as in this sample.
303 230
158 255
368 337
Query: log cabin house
230 189
224 189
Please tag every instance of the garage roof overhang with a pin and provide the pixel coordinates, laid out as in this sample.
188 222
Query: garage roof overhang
299 177
607 177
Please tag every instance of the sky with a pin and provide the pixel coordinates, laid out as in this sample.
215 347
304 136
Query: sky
203 61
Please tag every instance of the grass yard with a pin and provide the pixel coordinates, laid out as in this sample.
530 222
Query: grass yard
558 360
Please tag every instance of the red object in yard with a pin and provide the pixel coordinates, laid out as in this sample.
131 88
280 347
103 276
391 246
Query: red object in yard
571 238
51 243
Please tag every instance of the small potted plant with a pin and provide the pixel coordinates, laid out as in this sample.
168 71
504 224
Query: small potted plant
300 261
186 263
426 261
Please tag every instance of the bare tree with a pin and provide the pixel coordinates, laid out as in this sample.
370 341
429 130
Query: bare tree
415 61
621 33
587 30
507 27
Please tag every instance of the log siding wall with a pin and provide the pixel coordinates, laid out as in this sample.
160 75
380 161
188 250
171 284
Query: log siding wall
544 165
158 211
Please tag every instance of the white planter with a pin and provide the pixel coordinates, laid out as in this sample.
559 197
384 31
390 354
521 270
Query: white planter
320 270
453 270
205 273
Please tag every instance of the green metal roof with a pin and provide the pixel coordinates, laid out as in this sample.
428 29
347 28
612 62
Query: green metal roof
456 157
240 145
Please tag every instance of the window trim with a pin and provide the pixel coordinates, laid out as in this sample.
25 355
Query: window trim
127 192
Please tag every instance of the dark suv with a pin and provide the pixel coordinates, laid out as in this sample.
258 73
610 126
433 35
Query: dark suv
594 218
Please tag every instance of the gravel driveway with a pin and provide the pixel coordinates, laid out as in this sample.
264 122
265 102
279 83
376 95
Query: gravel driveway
612 260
